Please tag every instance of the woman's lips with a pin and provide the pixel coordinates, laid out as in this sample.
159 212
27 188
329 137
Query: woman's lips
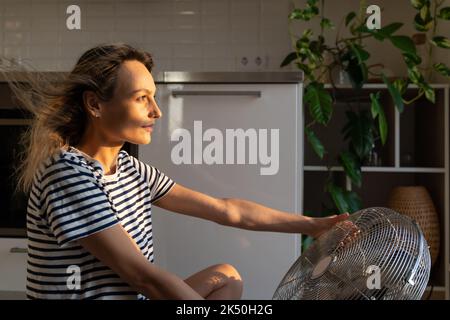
148 128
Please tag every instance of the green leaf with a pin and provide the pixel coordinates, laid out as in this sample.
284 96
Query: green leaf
314 11
307 33
326 23
425 13
429 92
358 130
288 59
377 111
357 72
303 43
418 4
421 24
375 107
362 29
353 201
345 201
306 14
351 166
412 59
355 68
339 199
315 142
306 242
383 33
296 14
442 69
350 17
319 101
391 28
314 59
304 67
404 43
415 76
395 94
317 48
387 31
361 54
321 40
441 42
444 13
401 85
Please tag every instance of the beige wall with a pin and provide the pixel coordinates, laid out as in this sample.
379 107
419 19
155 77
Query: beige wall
195 35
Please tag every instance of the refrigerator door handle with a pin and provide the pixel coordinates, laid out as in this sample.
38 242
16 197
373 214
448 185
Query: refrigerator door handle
18 250
179 93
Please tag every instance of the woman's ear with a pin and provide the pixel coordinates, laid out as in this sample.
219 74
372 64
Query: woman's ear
91 102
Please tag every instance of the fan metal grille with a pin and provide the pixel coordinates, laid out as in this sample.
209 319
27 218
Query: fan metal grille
337 264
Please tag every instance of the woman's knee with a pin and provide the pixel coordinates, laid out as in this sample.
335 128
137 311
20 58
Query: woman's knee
228 270
232 280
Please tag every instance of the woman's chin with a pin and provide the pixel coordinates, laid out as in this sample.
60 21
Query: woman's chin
146 140
141 140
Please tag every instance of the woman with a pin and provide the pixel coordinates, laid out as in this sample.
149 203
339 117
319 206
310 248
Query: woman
89 210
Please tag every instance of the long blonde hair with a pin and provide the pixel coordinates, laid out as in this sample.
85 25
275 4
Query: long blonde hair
56 103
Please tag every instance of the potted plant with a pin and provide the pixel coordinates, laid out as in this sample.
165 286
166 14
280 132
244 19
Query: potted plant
349 56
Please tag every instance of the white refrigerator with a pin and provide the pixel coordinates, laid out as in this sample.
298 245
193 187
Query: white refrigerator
229 140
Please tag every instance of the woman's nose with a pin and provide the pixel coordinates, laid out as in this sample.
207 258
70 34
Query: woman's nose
156 112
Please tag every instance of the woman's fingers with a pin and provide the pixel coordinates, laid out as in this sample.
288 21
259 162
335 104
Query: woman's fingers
343 216
352 234
322 225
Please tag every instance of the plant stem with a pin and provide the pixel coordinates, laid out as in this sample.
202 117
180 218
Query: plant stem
311 124
322 15
360 37
338 31
294 43
362 14
421 93
430 46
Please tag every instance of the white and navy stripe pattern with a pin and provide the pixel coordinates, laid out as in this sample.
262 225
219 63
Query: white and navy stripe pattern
70 199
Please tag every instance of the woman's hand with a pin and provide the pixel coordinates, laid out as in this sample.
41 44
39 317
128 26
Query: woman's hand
319 226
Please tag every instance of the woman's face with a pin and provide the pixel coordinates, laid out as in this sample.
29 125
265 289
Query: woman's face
132 111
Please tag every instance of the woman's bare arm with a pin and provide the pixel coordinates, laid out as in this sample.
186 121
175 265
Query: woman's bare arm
117 249
242 213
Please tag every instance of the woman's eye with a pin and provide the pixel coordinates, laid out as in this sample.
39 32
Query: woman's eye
141 98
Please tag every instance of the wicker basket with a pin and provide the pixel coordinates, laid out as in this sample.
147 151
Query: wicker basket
415 202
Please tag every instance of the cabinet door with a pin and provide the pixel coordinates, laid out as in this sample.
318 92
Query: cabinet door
13 265
265 169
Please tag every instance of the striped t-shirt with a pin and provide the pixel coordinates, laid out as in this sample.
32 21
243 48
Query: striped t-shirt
71 198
